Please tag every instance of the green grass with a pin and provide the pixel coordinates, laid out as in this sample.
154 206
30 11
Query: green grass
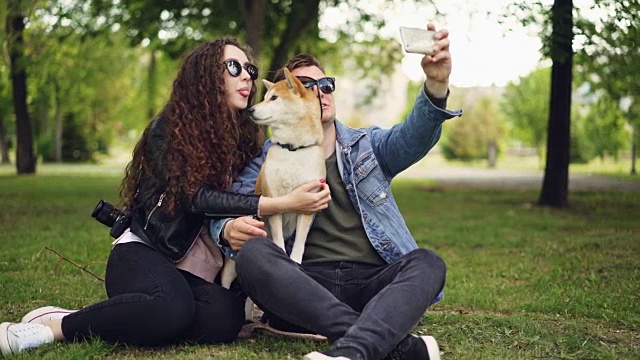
523 282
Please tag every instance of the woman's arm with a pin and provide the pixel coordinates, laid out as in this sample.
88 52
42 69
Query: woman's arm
301 200
214 203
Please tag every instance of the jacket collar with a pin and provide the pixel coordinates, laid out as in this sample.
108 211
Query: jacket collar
347 136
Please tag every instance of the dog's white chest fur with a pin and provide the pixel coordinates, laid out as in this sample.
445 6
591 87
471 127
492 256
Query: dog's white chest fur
285 170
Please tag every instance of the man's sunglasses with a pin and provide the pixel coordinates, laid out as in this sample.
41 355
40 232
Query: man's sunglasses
326 84
235 68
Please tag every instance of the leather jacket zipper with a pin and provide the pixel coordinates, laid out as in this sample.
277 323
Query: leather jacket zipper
154 209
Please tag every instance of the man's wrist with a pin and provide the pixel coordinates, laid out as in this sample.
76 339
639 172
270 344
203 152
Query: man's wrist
437 89
222 237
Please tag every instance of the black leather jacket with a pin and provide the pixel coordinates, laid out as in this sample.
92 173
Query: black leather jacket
173 235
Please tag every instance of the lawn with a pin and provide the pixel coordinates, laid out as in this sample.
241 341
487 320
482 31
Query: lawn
523 282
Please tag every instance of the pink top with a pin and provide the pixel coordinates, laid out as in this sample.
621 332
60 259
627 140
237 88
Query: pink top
203 260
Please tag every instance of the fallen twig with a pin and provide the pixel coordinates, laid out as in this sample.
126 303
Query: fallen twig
81 267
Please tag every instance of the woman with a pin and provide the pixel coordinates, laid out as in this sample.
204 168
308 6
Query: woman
160 273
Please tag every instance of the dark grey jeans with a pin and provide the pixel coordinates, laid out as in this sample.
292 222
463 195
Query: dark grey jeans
370 308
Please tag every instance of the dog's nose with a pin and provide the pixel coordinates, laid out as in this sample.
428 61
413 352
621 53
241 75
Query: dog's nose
250 111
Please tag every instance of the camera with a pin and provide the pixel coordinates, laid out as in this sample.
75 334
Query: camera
108 215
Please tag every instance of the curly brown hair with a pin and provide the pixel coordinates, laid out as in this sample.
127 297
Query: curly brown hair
298 61
208 142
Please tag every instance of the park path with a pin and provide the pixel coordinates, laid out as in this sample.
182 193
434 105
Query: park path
479 178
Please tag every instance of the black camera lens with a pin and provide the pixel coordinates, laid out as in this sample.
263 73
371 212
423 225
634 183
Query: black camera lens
105 213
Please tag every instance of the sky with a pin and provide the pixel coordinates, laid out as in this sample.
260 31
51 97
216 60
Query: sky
484 52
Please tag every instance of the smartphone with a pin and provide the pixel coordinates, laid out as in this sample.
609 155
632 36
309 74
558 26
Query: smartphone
415 40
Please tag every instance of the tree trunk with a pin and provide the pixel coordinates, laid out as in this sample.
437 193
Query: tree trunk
151 85
634 141
492 154
555 185
254 13
303 15
25 159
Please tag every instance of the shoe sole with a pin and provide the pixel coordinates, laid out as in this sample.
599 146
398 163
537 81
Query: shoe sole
320 356
432 347
4 339
40 315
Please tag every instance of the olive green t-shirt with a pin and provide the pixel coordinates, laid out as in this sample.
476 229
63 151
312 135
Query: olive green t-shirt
337 233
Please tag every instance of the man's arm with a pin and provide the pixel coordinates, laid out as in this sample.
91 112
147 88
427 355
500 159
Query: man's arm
244 184
404 144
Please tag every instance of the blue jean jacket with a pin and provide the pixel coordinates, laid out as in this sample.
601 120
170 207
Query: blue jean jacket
368 159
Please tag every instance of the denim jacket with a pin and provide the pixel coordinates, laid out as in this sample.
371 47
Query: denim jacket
368 159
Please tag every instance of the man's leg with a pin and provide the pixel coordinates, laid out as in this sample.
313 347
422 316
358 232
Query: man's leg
400 294
277 283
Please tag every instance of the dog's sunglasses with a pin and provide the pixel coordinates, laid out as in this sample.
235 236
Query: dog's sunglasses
326 84
235 68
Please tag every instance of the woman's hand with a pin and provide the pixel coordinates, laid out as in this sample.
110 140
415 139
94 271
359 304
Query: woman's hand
308 198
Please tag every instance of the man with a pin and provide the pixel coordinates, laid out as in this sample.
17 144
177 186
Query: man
363 282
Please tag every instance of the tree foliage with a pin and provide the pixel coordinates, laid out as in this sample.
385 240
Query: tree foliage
108 64
526 108
478 134
603 128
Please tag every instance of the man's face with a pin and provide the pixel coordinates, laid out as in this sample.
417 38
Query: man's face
327 101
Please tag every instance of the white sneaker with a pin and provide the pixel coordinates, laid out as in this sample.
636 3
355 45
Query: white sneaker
432 347
47 313
15 338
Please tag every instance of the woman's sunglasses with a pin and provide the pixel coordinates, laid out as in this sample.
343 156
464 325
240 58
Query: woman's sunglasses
235 68
326 84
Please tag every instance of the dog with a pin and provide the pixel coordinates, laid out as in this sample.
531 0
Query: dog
295 157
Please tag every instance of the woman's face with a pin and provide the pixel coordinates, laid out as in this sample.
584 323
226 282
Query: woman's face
237 88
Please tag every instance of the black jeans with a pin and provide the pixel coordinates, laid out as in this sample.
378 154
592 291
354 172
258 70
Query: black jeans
370 308
151 303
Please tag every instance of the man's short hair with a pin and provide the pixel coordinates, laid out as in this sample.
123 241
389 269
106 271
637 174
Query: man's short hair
298 61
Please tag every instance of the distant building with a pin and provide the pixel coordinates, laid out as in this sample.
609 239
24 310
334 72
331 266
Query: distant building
383 110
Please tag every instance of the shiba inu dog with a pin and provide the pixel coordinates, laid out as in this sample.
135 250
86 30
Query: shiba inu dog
293 113
295 158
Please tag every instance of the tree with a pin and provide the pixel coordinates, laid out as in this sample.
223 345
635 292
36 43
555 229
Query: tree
526 108
25 159
607 48
609 54
275 30
604 128
477 135
555 184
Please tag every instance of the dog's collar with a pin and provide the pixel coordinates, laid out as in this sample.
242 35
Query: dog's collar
292 147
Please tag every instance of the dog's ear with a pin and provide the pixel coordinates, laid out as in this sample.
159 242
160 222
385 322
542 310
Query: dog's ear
293 83
289 78
268 84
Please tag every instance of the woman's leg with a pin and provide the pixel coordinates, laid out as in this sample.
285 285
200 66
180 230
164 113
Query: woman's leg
150 302
219 313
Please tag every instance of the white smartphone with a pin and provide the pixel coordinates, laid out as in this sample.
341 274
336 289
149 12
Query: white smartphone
415 40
